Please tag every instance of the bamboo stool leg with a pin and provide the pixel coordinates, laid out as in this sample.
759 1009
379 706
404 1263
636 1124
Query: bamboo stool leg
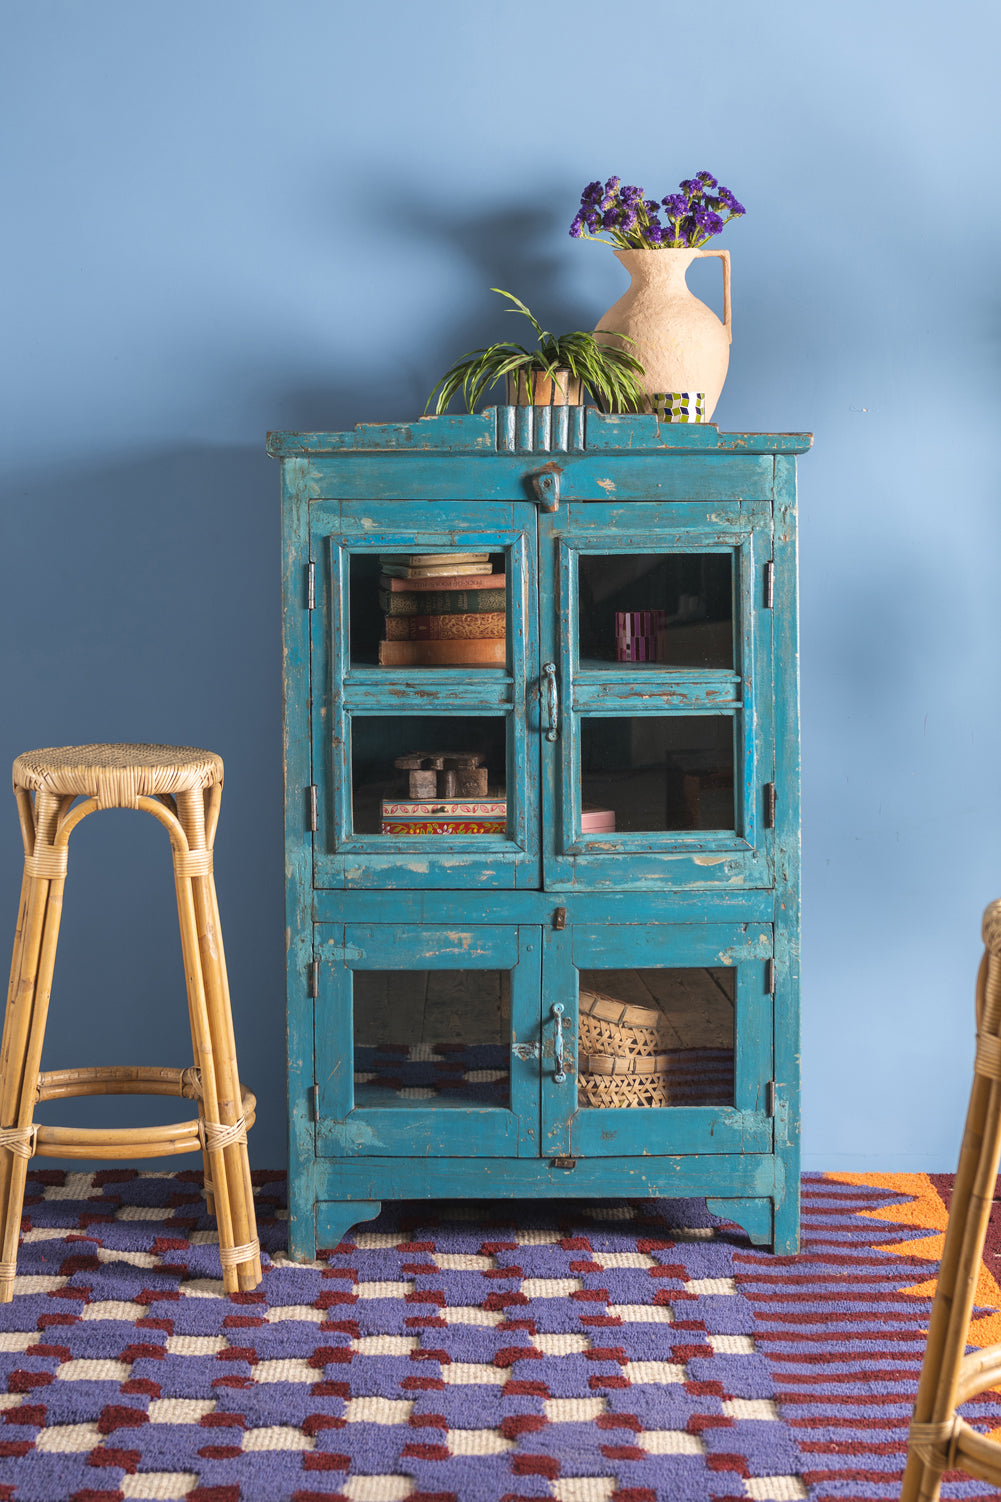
215 1050
24 1021
935 1428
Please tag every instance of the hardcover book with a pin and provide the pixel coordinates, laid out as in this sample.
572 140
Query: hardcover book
435 570
443 601
432 560
447 808
444 826
483 623
468 579
478 652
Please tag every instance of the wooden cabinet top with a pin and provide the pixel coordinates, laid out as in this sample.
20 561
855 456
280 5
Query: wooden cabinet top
537 430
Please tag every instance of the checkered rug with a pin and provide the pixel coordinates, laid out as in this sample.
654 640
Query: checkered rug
620 1352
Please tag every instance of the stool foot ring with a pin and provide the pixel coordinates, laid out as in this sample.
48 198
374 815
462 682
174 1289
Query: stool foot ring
126 1142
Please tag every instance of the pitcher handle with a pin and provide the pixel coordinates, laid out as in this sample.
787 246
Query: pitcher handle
724 256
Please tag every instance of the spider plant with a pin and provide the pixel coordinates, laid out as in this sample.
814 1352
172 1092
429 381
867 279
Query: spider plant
607 371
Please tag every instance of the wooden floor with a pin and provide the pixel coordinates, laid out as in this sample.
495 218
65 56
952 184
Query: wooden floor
473 1006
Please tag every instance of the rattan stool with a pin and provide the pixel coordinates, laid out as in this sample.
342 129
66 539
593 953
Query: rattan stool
939 1439
182 788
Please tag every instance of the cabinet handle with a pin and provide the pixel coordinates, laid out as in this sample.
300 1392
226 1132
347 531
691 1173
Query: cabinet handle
553 695
560 1075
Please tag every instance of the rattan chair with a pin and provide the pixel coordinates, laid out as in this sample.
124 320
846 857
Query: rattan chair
939 1439
182 788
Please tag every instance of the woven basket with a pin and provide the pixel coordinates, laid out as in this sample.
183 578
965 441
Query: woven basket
608 1026
624 1064
624 1090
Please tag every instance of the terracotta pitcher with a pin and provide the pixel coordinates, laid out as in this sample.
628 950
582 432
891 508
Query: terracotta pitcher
680 343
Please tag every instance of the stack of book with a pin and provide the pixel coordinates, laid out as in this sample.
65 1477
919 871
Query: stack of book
442 610
444 816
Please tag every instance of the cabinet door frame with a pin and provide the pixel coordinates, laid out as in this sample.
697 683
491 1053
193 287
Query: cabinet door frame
590 1132
343 692
649 859
344 1129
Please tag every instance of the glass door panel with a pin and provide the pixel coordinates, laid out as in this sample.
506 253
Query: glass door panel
441 1036
657 1037
418 609
427 1040
656 1012
657 772
428 777
673 609
424 633
657 658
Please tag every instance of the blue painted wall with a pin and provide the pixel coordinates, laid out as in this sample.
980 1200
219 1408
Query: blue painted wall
239 216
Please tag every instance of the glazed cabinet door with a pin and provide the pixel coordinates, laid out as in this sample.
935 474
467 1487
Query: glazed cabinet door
691 1070
426 1040
657 746
421 690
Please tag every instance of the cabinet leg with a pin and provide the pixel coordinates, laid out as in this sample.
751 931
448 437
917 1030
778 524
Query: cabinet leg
335 1217
753 1216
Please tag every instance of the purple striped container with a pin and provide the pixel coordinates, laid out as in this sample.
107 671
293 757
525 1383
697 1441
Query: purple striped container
636 634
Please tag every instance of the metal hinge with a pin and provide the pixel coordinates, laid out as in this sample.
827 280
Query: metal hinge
311 816
770 1098
769 977
769 805
563 1163
310 586
559 917
314 978
316 1102
769 584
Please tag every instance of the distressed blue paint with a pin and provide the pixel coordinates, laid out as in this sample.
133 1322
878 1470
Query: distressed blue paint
703 898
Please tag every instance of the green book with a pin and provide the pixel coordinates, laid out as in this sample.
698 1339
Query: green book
441 601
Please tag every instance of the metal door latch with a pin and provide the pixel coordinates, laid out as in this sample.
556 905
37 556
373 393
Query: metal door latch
546 488
563 1163
559 917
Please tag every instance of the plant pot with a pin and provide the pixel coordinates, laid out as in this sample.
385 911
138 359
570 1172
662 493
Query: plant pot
560 391
680 343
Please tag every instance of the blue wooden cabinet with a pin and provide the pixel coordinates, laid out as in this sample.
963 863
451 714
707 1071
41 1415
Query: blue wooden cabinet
642 816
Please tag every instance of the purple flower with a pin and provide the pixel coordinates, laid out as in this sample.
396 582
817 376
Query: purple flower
698 210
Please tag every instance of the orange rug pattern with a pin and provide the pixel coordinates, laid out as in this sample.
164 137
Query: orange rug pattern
844 1325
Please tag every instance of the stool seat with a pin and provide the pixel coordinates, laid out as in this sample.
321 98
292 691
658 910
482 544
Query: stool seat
181 787
117 774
